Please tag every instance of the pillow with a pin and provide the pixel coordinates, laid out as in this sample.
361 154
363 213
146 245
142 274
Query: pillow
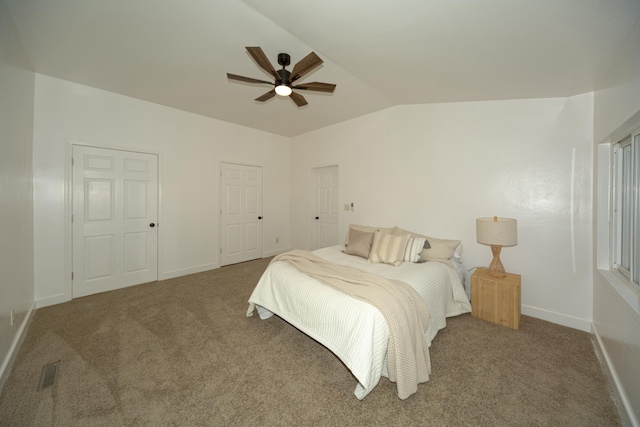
359 243
397 231
387 248
440 250
458 252
415 245
365 228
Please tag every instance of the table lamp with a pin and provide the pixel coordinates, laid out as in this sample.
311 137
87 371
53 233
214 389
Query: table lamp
497 232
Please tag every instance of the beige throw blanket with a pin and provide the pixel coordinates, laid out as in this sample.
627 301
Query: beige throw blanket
407 316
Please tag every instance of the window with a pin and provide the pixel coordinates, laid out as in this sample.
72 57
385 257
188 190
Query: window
626 207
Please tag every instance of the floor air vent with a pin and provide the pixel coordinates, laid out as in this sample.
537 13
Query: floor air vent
49 375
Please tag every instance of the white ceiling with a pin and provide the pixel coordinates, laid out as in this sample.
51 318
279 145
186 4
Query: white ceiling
380 53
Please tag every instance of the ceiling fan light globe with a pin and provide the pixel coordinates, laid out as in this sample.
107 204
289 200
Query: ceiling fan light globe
283 90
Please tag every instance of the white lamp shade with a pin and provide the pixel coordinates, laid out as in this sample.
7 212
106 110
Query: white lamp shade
497 231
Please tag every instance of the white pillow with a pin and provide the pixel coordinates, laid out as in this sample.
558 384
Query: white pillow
414 248
458 253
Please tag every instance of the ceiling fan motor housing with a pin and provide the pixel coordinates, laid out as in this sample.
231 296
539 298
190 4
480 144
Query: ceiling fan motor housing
283 77
284 59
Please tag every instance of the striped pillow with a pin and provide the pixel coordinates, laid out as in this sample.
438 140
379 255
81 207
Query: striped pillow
415 245
388 249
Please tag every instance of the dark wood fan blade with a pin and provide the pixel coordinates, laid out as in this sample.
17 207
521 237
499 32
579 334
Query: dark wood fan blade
305 65
317 86
266 96
258 55
298 99
246 79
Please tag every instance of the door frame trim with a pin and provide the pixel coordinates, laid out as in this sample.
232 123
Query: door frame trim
68 207
218 211
311 203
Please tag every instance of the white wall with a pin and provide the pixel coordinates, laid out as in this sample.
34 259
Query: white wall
16 206
616 322
190 147
435 168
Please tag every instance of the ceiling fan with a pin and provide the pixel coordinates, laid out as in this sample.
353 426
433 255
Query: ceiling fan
283 84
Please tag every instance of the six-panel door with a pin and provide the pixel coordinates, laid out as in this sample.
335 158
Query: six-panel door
115 209
240 213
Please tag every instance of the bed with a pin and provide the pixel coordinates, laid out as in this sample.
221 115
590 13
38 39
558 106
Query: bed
355 331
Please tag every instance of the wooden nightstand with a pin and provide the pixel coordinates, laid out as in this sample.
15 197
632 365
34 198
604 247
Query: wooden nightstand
496 300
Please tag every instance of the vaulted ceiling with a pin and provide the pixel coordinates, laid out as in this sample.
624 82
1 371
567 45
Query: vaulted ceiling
380 53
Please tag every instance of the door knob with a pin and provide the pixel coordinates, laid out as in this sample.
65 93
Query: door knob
317 217
259 217
152 225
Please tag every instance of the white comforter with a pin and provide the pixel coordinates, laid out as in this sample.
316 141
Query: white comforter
353 330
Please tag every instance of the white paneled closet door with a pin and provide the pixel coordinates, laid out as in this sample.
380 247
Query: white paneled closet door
240 213
115 211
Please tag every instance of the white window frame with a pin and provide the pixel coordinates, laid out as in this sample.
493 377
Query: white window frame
630 275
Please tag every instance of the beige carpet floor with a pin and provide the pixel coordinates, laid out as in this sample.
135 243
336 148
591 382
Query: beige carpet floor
182 353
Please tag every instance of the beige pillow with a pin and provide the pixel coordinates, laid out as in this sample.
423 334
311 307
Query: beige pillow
397 231
441 250
365 228
359 243
387 248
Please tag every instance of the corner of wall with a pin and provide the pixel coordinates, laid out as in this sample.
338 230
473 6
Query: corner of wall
10 357
619 395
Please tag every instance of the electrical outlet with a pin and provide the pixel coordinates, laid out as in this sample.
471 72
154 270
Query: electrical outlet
277 240
13 314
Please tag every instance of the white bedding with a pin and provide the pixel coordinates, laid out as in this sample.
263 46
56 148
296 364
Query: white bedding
353 330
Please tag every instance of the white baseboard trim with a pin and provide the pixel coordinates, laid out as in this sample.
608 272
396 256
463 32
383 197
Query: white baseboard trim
558 318
276 252
58 299
10 357
184 272
628 415
53 300
199 269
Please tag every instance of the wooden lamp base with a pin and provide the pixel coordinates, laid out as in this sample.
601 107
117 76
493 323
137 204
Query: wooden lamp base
496 269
